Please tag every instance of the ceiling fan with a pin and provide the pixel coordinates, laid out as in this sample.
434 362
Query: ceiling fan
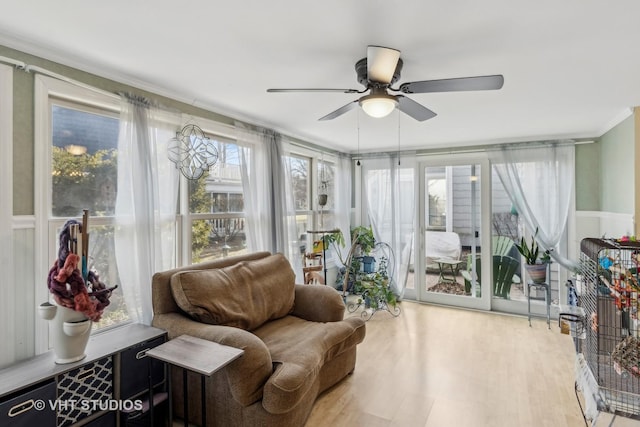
380 70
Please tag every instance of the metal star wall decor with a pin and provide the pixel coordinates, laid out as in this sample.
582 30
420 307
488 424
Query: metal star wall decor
192 152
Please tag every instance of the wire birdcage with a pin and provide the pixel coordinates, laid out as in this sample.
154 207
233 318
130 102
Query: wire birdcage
609 297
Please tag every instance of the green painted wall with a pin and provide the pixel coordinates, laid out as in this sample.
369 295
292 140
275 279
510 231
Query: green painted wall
588 197
617 178
23 146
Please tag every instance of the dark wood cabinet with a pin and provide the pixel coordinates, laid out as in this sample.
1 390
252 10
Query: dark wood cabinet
100 390
26 408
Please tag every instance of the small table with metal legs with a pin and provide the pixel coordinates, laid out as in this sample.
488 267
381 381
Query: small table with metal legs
547 299
453 265
197 355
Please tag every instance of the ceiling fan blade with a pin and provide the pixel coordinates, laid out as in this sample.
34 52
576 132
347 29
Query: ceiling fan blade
413 109
312 90
381 63
340 111
454 85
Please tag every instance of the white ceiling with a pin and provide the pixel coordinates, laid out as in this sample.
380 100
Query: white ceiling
571 67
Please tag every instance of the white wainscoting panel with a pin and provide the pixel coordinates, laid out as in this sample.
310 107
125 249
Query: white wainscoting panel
598 224
23 301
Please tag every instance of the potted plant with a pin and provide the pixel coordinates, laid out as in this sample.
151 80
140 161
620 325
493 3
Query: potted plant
373 287
376 290
362 243
536 268
79 297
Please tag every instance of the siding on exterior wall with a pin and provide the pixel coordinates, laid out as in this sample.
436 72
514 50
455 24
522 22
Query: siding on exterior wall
462 219
462 203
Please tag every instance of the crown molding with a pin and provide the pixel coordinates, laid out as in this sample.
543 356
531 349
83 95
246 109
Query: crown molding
616 120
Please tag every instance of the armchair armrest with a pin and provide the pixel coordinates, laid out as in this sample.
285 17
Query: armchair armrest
246 374
318 303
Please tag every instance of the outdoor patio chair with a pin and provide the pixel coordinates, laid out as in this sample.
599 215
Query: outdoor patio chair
504 269
501 245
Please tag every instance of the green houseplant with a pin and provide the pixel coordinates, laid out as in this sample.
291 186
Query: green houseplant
362 242
374 287
530 253
535 265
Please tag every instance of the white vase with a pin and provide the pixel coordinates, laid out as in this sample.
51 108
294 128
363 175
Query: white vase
70 332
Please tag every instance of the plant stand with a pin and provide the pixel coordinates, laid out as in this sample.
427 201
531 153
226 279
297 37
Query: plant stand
368 312
324 249
547 299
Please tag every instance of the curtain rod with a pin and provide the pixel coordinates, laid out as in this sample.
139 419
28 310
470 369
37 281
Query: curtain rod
45 72
313 147
290 139
471 150
39 70
18 64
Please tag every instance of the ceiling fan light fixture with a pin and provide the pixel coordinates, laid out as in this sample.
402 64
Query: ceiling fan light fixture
378 105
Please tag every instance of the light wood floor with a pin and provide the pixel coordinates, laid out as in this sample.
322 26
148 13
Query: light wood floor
438 367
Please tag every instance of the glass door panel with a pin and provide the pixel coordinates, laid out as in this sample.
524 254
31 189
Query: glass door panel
451 220
509 292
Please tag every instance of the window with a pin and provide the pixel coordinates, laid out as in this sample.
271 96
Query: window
300 181
326 185
216 207
84 160
84 176
311 178
299 168
77 143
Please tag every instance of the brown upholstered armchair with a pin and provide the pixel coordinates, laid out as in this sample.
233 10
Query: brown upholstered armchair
295 341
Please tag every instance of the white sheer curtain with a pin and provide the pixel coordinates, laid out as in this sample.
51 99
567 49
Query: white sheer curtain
146 203
342 206
268 198
539 181
256 188
285 210
389 194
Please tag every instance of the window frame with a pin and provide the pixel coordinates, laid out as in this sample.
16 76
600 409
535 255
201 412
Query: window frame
313 212
211 129
46 89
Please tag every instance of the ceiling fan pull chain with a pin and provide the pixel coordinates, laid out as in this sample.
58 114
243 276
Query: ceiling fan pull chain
358 127
398 137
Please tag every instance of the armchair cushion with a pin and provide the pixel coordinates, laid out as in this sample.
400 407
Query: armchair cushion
318 303
299 349
244 295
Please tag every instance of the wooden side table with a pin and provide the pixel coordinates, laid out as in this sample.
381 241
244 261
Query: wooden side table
196 355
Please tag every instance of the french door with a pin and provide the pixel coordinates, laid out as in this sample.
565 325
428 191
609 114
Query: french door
453 227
